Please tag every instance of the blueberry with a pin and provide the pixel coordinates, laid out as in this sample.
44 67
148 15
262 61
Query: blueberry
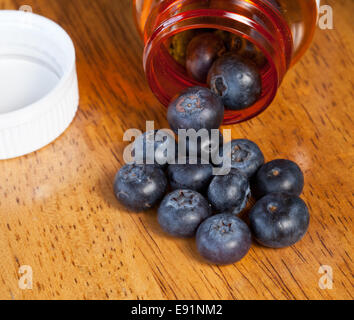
182 211
243 47
229 192
190 176
195 108
140 187
237 80
279 176
179 44
251 52
276 4
155 147
202 51
223 239
279 220
245 156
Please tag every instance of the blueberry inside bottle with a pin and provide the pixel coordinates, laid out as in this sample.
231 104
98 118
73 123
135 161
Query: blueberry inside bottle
241 50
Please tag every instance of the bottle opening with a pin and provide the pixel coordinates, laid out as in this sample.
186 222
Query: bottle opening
259 33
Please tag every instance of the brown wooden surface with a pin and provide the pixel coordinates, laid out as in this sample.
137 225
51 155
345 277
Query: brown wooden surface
58 213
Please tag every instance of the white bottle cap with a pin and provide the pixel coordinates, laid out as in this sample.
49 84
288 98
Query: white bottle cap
38 82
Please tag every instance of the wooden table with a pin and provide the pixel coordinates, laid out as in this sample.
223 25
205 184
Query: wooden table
58 213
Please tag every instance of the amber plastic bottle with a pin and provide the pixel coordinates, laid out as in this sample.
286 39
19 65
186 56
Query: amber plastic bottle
281 29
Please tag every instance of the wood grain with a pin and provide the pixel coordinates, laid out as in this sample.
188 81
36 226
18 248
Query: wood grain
58 213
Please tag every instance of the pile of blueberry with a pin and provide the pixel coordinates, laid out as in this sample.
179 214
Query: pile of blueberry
206 206
229 64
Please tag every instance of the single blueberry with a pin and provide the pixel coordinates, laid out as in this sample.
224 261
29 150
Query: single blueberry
155 147
202 51
279 220
229 192
279 176
223 239
195 108
190 176
276 4
181 212
140 187
241 46
237 80
244 155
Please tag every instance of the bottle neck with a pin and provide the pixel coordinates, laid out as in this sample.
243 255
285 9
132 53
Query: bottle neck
258 21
